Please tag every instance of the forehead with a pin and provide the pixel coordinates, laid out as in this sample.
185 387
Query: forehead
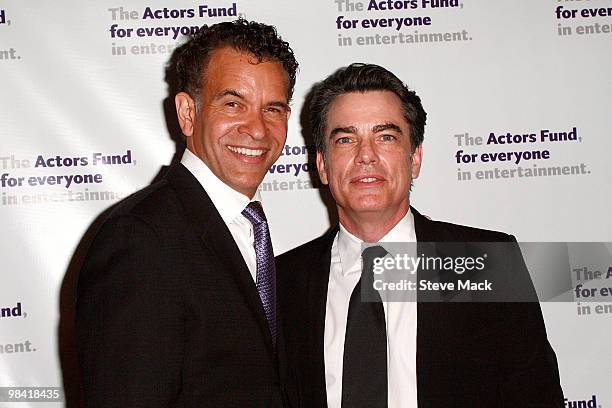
366 109
227 67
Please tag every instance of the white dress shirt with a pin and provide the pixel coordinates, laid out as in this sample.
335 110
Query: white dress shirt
400 317
229 204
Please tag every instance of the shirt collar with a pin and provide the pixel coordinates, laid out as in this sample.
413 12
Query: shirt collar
349 250
403 230
228 202
349 246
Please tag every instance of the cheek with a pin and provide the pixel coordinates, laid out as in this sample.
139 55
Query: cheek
342 173
216 129
278 129
401 165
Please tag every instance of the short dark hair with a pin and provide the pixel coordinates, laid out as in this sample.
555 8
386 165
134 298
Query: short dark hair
258 39
362 78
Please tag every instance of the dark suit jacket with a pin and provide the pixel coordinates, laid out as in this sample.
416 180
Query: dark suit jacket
468 354
168 314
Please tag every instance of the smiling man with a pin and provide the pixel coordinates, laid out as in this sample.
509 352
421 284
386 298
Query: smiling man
176 298
369 162
342 352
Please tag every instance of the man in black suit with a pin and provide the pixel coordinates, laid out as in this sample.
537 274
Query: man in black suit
176 299
343 352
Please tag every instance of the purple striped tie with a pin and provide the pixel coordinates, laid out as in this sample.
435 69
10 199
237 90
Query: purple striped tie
266 269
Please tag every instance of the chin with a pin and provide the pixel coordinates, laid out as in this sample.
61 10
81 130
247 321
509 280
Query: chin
369 206
249 185
370 201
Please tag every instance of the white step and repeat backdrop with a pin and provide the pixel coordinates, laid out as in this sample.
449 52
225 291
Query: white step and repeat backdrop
82 81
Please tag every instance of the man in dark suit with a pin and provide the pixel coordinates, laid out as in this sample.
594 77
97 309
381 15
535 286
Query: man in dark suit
344 352
176 299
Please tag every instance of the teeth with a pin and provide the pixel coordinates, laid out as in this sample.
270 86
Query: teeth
245 151
367 180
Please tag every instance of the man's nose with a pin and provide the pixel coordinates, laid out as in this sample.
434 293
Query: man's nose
367 152
254 125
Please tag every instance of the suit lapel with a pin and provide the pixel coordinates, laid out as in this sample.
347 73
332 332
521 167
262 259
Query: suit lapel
423 227
426 246
218 239
424 233
317 295
435 323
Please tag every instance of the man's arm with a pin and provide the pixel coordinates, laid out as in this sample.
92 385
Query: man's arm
528 362
128 325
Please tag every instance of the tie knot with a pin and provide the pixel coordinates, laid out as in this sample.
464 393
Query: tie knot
372 252
254 213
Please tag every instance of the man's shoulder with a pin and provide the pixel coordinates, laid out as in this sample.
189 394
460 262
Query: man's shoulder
158 201
146 203
149 226
446 231
297 265
157 208
133 222
468 233
310 250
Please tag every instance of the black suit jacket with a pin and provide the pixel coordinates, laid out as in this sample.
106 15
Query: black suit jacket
168 314
468 354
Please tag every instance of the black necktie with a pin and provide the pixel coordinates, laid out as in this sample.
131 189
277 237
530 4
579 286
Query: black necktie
364 373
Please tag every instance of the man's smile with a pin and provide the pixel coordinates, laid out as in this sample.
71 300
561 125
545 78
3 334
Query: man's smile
368 180
246 151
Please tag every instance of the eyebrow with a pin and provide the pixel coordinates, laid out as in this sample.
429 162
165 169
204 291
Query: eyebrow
233 92
229 92
375 129
347 129
386 126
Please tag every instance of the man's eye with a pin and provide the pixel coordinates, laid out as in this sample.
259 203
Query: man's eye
343 140
274 110
232 104
388 138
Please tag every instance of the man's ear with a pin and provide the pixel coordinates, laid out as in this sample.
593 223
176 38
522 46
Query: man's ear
417 156
186 112
321 167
